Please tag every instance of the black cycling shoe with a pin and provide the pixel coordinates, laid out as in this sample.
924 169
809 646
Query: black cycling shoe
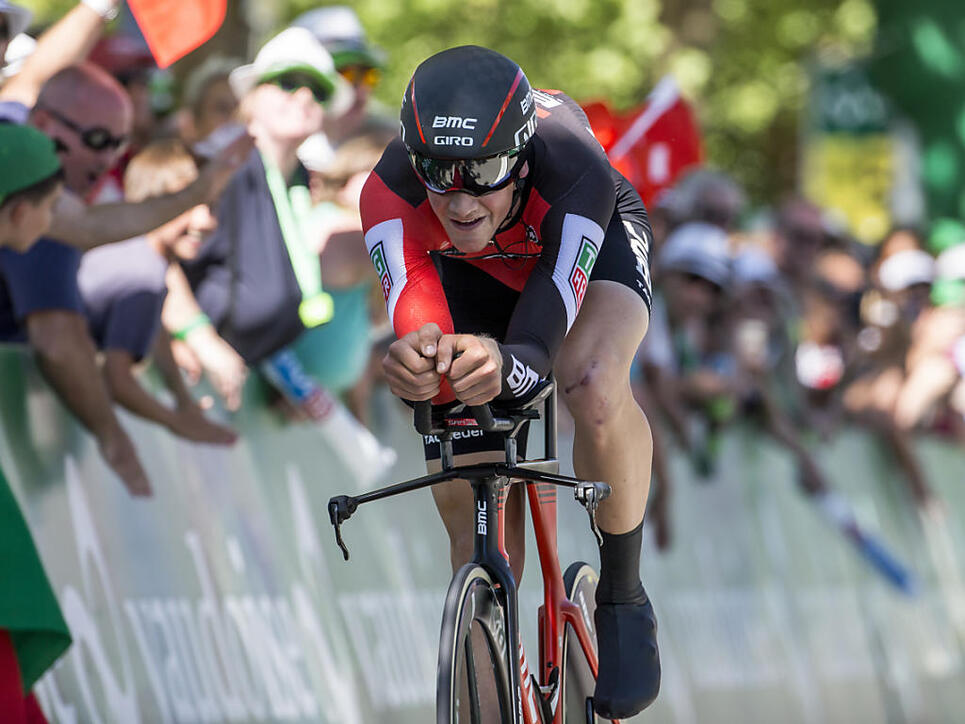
629 674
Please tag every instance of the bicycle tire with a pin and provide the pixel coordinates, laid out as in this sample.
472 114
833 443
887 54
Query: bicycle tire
474 614
576 678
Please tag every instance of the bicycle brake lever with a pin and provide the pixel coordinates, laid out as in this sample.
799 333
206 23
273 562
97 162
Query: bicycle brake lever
340 509
589 496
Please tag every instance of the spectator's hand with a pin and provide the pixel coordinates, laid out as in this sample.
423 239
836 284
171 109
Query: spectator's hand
474 365
224 367
118 452
187 360
216 174
190 423
410 365
704 384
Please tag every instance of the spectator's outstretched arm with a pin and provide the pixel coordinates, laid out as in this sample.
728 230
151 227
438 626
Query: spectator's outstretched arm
223 365
185 419
67 42
85 227
66 357
779 425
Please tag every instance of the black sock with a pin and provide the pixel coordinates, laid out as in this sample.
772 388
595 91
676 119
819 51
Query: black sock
620 568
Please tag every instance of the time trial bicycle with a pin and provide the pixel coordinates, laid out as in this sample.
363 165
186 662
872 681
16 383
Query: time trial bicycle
483 676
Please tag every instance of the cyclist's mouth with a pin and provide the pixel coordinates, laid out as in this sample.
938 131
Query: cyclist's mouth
467 225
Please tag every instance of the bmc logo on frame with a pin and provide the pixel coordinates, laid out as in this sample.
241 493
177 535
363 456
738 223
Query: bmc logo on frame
382 269
582 267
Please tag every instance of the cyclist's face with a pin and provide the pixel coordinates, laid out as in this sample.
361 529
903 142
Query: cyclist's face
471 221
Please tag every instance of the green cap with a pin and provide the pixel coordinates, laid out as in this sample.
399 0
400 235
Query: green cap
27 157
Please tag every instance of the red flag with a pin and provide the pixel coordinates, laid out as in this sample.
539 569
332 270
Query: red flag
173 28
651 145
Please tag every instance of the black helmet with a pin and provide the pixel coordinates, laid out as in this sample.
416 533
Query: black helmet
471 109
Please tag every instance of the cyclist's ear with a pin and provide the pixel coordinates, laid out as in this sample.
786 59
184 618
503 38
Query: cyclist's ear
524 170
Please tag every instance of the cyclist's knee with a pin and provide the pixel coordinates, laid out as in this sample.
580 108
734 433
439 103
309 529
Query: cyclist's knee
593 389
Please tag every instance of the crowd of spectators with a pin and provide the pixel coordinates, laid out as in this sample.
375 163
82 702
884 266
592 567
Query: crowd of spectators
782 320
209 232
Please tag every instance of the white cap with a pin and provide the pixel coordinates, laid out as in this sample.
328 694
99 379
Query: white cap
950 264
294 49
17 17
697 248
753 265
905 269
20 48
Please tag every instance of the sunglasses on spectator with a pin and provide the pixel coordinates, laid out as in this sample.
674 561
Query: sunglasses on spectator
360 75
291 82
96 138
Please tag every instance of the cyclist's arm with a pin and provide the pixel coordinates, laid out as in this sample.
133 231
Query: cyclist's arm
410 283
572 233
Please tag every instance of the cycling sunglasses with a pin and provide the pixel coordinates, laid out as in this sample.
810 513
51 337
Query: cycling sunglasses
291 82
472 176
96 138
361 75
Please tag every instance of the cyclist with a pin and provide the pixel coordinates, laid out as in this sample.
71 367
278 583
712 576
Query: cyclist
507 248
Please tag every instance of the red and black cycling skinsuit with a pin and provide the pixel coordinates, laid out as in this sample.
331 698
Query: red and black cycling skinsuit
578 220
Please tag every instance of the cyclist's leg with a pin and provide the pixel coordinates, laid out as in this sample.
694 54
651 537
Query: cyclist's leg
612 436
612 442
456 506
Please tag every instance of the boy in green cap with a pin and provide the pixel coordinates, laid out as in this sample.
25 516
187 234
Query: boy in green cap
30 182
33 633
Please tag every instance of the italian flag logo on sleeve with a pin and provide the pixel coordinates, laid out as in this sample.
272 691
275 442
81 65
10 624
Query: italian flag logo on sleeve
582 267
382 269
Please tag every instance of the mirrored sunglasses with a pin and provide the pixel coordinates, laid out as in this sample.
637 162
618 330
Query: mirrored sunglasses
473 176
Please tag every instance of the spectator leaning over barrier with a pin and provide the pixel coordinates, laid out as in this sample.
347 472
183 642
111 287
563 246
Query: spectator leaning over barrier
935 357
123 288
337 354
46 76
39 299
257 278
33 633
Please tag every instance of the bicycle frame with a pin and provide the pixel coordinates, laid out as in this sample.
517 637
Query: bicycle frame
489 482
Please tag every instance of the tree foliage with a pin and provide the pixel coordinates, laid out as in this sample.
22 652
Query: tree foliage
742 62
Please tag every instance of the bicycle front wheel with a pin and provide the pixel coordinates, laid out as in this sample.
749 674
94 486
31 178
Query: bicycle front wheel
473 677
577 680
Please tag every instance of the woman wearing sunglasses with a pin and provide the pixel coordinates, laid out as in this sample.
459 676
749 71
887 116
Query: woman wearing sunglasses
507 248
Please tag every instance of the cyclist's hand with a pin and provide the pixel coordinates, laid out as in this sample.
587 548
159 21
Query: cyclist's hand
474 365
410 364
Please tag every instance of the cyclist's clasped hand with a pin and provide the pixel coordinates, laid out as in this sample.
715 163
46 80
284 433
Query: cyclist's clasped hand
410 364
416 363
474 366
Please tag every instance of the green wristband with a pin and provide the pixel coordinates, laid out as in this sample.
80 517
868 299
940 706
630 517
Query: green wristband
200 321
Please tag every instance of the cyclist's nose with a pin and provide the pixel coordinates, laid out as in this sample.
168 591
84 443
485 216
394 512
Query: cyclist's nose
462 205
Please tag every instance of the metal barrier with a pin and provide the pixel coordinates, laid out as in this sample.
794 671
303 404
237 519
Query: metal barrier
224 597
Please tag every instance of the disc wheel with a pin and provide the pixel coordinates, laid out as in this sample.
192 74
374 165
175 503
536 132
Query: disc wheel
473 677
577 681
